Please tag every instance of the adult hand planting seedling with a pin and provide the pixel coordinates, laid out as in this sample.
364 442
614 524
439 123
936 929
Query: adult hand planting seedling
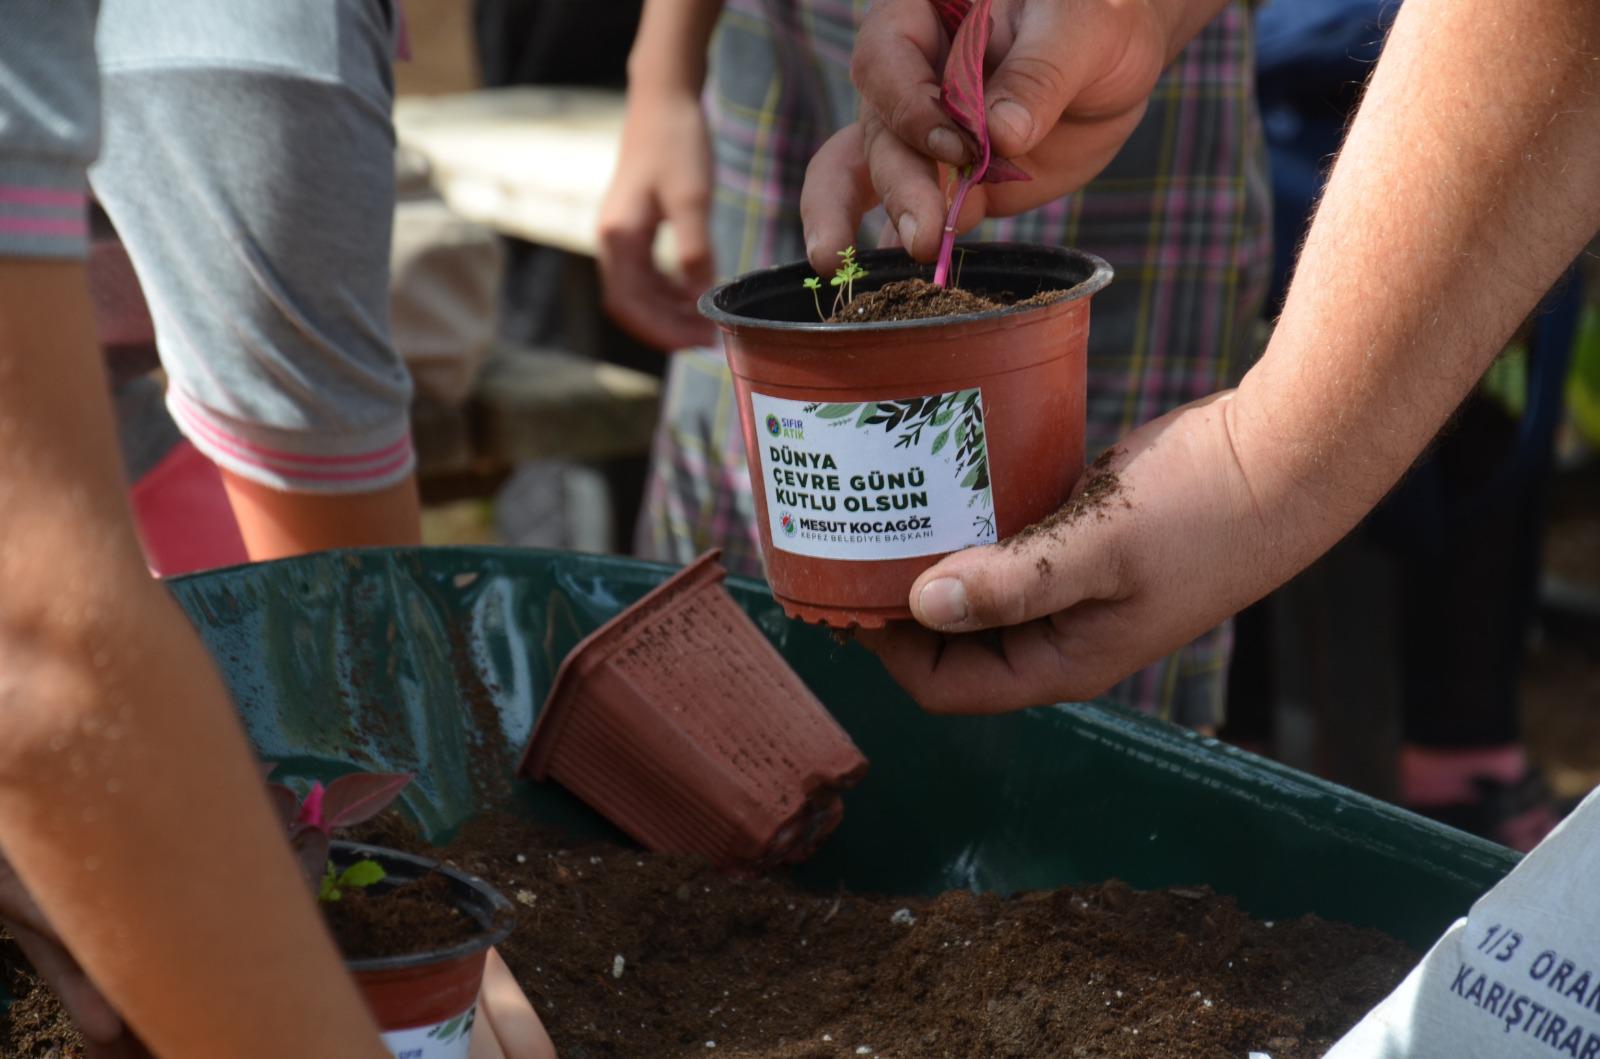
1069 81
1457 201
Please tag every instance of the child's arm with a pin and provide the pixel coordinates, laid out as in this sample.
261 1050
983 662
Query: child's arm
507 1025
130 806
663 174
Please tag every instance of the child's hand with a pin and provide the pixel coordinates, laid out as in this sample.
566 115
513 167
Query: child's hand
507 1026
663 175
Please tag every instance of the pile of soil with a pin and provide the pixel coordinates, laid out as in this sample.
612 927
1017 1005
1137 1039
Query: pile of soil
917 299
632 954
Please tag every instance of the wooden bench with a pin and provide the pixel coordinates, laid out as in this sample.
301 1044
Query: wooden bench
530 162
533 163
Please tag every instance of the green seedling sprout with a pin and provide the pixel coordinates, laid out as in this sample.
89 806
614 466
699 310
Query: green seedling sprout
814 284
844 278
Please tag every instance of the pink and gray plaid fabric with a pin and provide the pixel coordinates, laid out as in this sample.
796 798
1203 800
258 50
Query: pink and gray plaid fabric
1182 215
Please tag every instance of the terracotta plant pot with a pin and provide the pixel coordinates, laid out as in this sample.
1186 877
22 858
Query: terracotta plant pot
681 723
877 448
425 1003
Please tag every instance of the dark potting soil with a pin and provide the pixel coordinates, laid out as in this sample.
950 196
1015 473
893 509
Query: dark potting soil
36 1026
633 954
917 299
770 971
415 917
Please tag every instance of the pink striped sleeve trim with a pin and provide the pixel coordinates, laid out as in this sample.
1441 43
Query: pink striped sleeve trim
61 227
378 464
269 455
402 32
23 195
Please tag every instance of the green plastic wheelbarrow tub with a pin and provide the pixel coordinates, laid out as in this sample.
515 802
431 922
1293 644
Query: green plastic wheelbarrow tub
422 659
438 660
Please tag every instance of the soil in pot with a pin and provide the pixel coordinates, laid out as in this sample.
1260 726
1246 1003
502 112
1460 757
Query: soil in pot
415 917
770 971
917 299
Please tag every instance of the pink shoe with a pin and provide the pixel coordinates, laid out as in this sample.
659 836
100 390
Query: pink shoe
1492 792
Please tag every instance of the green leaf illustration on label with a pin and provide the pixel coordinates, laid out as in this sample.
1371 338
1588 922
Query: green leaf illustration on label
889 478
457 1027
836 411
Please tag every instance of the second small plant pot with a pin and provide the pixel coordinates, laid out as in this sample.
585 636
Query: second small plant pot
877 448
681 723
425 1003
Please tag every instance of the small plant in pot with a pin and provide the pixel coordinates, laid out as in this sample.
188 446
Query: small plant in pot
910 418
414 933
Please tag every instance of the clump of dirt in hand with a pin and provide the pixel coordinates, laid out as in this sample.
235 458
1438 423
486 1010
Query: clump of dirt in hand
626 953
1102 490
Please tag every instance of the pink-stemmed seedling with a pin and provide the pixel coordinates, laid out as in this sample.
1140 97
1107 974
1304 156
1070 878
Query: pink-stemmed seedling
351 799
969 25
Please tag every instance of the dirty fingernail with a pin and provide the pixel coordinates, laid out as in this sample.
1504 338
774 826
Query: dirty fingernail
946 146
1013 117
943 602
908 230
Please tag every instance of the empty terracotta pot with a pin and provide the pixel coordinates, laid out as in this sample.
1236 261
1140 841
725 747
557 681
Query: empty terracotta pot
425 1003
681 723
876 449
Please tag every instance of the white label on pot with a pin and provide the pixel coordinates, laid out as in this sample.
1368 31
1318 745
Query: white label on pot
891 479
443 1040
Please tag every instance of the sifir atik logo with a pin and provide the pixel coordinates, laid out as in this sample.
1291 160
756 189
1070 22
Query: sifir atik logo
789 428
786 520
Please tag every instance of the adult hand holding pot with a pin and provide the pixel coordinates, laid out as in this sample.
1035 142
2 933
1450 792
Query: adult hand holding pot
1070 80
1144 558
1473 194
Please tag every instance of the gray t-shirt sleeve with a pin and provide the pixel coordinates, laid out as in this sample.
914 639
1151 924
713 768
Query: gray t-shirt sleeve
49 125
